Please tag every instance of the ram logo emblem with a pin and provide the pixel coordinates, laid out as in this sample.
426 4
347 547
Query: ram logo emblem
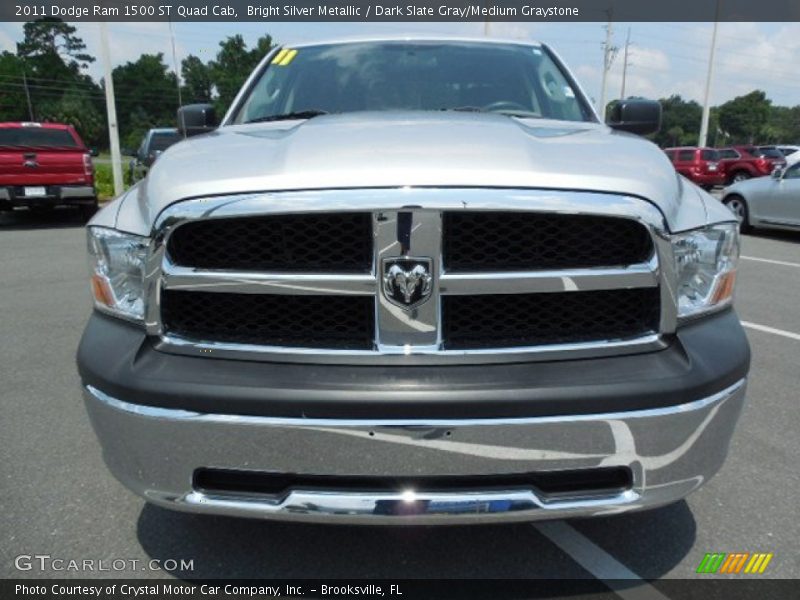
407 282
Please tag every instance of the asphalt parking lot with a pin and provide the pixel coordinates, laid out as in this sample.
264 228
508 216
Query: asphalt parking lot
59 499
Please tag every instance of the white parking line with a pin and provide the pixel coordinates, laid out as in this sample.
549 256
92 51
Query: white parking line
771 261
788 334
597 561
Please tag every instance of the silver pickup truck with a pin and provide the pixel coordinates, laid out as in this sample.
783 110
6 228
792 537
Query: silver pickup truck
414 281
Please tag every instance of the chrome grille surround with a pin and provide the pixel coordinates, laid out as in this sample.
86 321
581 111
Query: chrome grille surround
411 336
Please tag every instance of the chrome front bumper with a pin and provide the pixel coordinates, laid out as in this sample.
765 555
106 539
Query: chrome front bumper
671 452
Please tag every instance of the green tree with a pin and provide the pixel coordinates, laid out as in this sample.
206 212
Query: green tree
13 104
52 60
147 96
680 122
49 37
76 109
233 64
745 117
783 125
197 83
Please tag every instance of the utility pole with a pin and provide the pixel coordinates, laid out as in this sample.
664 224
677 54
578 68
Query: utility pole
609 53
175 64
27 93
111 111
707 97
625 65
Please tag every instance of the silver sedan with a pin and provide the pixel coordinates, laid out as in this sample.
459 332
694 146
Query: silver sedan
772 202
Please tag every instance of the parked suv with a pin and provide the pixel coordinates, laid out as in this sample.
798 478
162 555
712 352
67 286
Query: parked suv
700 165
154 143
43 165
744 162
414 281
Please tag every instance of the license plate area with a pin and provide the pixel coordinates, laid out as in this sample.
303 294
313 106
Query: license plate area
34 191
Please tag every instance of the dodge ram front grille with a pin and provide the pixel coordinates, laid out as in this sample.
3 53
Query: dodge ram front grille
506 320
411 276
276 320
338 242
505 241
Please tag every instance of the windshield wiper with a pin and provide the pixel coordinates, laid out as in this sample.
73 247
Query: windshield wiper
464 109
300 114
524 114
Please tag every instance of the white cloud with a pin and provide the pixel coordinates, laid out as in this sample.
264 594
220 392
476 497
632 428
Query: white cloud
516 31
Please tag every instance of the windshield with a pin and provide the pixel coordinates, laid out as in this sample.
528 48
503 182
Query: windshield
163 140
36 137
767 152
519 80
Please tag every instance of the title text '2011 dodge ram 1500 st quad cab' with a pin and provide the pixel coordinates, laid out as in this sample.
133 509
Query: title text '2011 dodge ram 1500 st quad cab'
414 281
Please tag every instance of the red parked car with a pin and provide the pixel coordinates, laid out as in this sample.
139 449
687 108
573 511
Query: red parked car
744 162
44 165
700 165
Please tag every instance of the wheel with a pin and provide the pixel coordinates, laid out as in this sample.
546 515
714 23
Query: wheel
740 176
738 206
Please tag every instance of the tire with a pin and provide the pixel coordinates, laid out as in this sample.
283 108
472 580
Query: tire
740 176
738 206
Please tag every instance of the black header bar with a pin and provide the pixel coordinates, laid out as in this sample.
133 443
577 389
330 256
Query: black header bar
402 10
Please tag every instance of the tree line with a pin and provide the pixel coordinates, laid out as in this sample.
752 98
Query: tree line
46 80
748 119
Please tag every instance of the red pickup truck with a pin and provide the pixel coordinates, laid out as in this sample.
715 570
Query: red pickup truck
43 165
744 162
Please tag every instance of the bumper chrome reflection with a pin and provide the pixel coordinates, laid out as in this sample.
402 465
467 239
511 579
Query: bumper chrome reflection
670 451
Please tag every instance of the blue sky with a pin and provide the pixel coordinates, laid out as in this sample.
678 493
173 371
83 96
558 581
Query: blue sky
665 58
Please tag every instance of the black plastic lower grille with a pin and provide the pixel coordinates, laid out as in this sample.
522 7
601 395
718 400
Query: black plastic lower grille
508 241
346 322
323 243
513 320
606 480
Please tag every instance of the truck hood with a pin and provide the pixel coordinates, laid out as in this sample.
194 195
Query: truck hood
364 150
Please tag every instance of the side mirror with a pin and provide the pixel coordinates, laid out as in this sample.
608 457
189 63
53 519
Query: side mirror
93 151
777 172
635 115
194 119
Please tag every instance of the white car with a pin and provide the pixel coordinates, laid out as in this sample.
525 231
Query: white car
792 153
772 202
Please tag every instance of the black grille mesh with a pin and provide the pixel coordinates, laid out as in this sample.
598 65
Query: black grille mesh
329 242
508 320
507 241
345 322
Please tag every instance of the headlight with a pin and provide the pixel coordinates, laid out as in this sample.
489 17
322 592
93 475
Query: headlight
116 263
705 264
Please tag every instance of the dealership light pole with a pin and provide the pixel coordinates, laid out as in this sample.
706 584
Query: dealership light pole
706 107
625 65
175 63
111 112
609 52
